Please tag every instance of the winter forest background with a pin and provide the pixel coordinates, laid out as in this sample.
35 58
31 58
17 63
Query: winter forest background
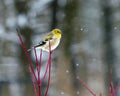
90 46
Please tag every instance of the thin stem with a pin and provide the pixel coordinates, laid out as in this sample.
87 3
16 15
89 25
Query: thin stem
49 63
37 66
112 89
45 72
50 53
33 83
26 53
39 91
38 71
36 58
49 75
86 87
118 86
40 65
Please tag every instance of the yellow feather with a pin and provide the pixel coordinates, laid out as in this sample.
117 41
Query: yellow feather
54 37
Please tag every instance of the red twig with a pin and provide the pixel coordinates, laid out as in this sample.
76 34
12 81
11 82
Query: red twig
26 53
37 85
33 82
37 66
117 88
38 72
40 65
86 87
112 90
49 72
47 67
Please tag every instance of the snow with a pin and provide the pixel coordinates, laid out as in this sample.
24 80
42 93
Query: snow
81 29
67 71
22 20
8 2
62 93
39 6
62 3
78 92
77 65
9 71
10 36
115 28
2 30
11 22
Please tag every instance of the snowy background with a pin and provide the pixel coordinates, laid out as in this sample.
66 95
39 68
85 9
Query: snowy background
90 45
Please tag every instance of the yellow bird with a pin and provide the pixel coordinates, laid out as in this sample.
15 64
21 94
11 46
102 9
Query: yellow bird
52 38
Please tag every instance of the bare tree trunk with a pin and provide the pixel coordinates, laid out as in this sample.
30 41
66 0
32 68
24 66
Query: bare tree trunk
21 7
92 47
108 41
65 73
9 63
54 8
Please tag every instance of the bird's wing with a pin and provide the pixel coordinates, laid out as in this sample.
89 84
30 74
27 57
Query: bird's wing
38 45
41 44
48 37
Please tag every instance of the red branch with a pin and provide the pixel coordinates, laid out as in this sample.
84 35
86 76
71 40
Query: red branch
49 72
26 53
112 90
117 88
86 86
38 73
33 83
37 85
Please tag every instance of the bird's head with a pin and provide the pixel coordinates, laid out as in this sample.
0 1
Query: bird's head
57 33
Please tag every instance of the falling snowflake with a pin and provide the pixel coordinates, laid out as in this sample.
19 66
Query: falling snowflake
115 28
81 29
67 71
77 64
62 93
77 92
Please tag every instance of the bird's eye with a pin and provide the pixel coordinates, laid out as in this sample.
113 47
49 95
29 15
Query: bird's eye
57 31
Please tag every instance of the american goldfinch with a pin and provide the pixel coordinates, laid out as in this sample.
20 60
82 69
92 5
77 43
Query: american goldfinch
52 38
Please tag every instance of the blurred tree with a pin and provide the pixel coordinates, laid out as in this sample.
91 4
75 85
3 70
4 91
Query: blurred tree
65 73
9 63
108 41
22 9
111 38
116 39
54 7
92 47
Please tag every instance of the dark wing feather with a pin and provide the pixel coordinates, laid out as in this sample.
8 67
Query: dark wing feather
41 44
47 38
38 45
